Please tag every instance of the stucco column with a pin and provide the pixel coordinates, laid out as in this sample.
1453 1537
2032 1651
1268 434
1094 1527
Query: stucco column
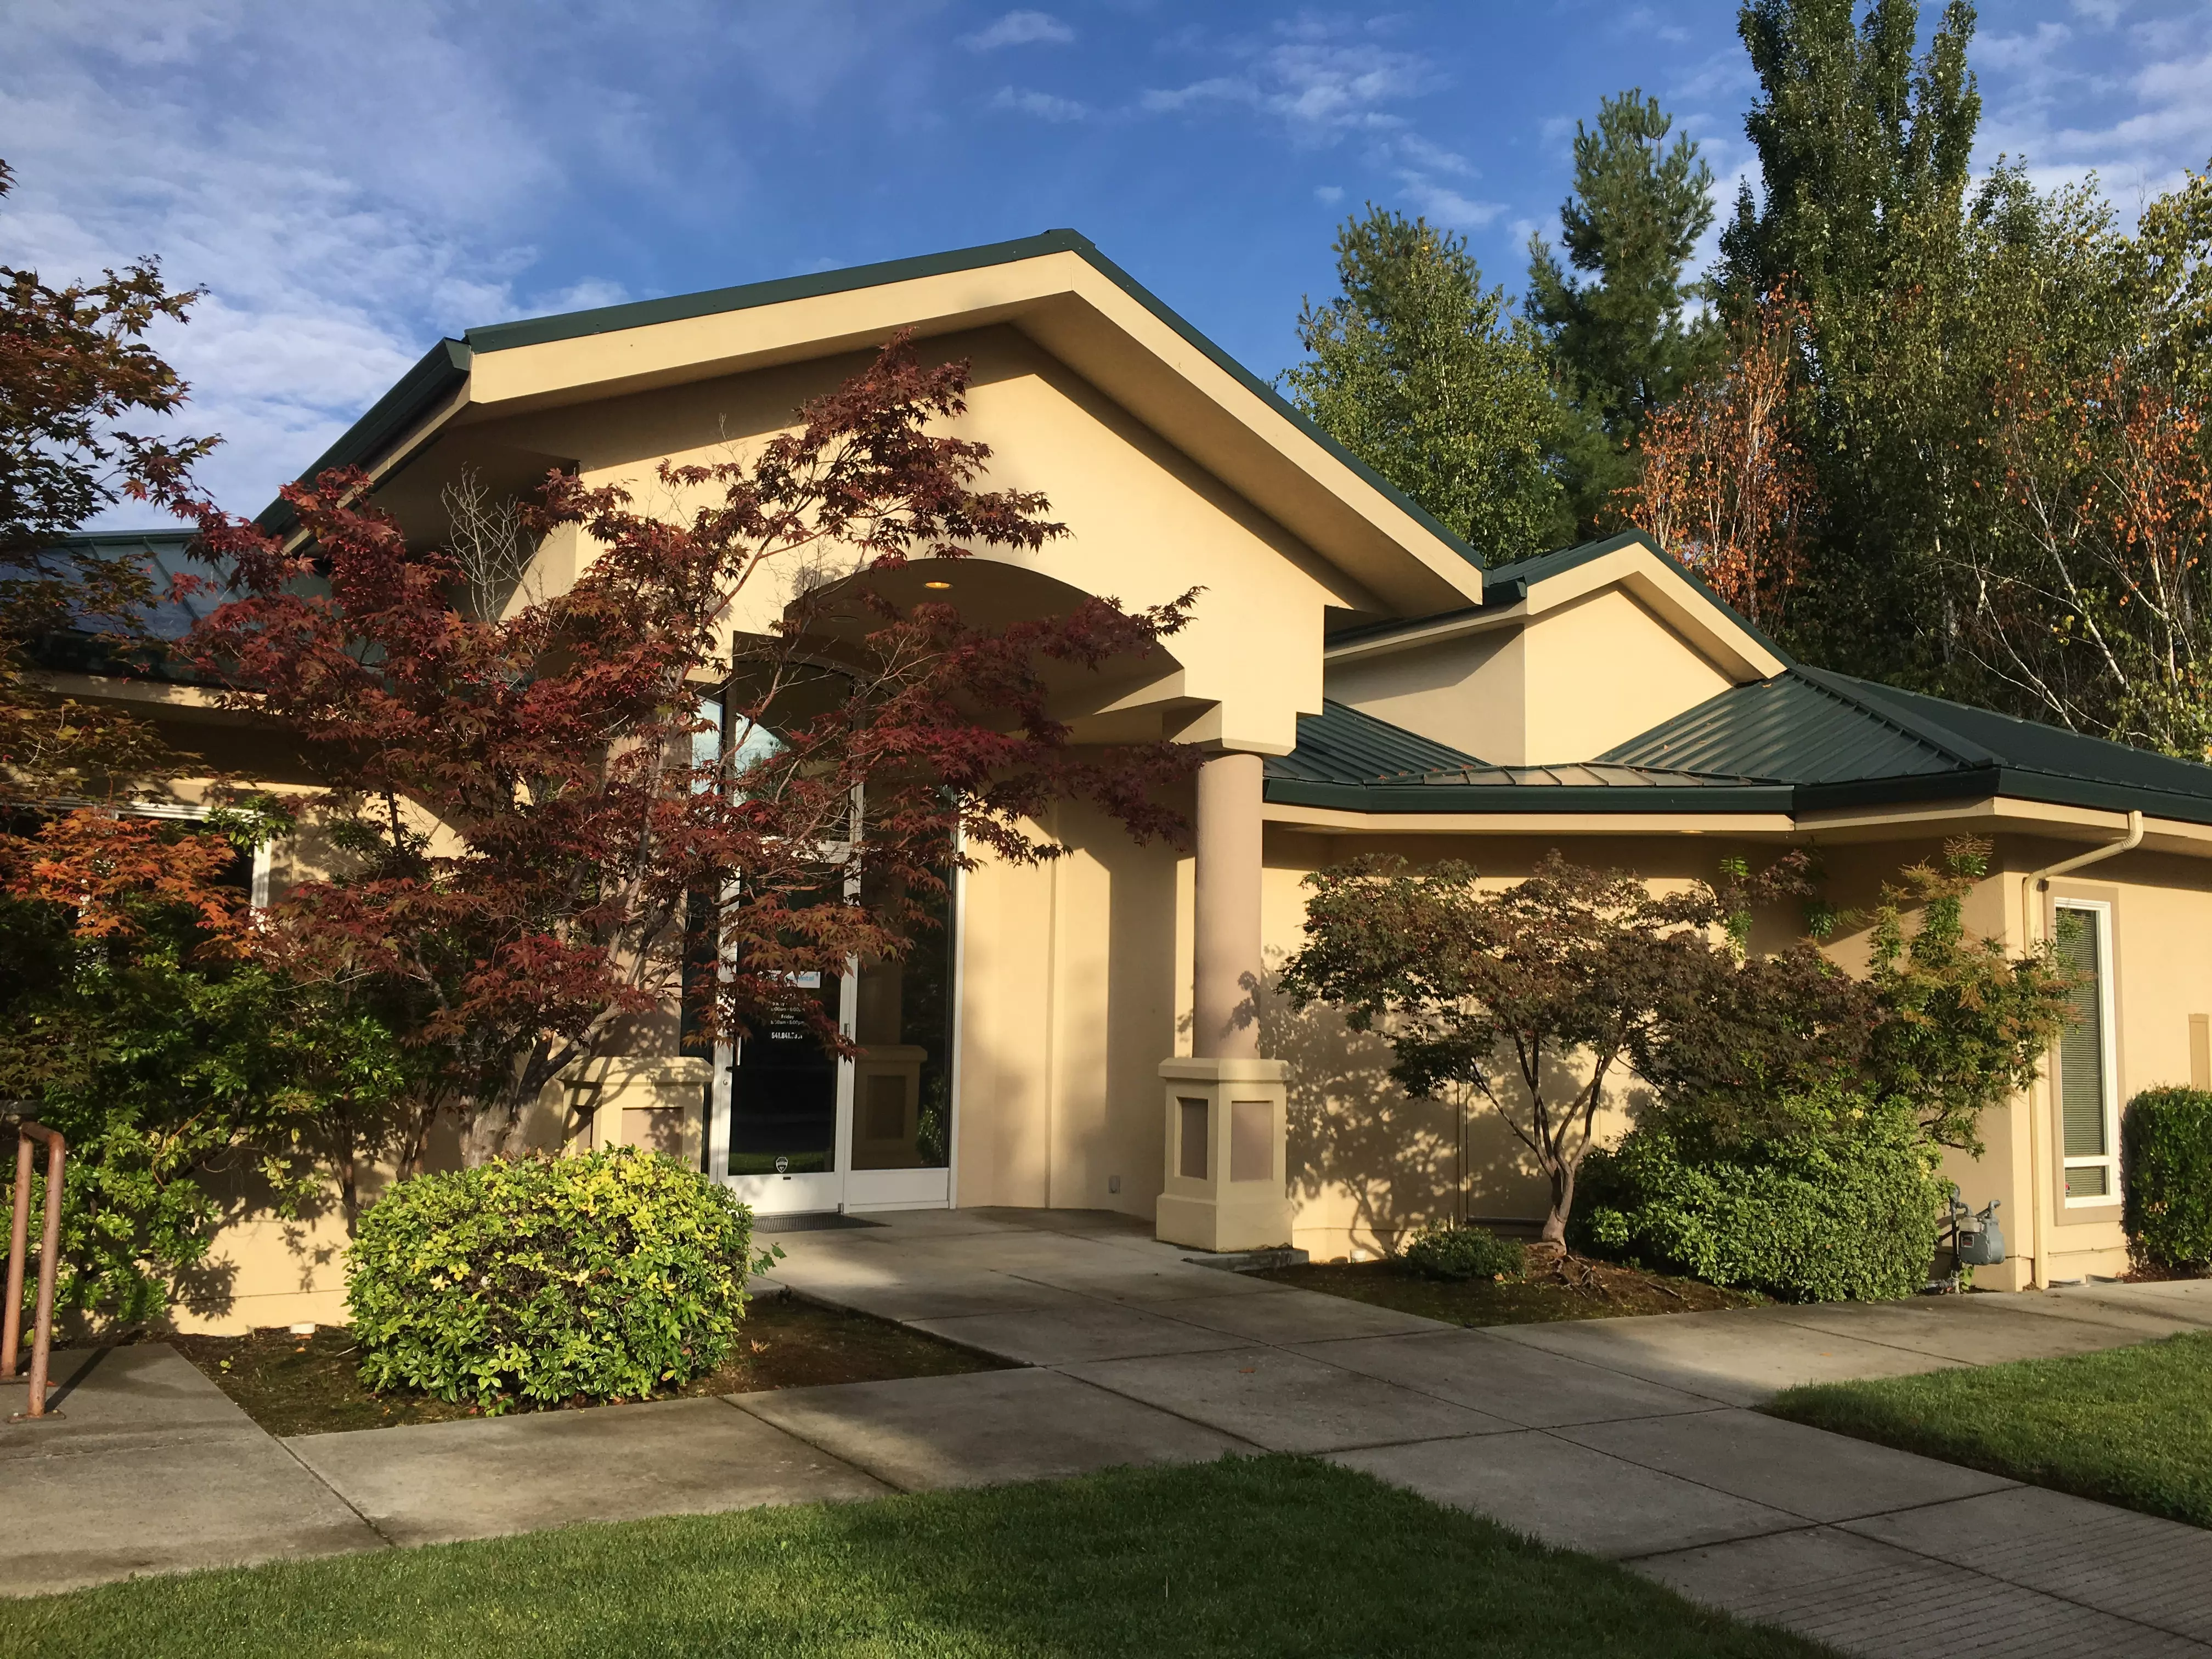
1226 925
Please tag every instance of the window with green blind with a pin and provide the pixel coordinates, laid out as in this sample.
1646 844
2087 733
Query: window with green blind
2083 1085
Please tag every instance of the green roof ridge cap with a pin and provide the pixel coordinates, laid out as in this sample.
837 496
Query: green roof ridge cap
1949 744
774 290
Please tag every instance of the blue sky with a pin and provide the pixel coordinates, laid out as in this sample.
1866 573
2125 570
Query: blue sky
350 182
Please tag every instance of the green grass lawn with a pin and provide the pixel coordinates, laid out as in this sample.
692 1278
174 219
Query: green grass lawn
1273 1556
2131 1427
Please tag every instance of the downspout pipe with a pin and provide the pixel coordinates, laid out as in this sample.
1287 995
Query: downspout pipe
2031 915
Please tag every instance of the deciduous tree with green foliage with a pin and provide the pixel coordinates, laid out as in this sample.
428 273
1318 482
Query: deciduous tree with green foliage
1963 1024
1431 379
1534 998
189 1077
1631 335
1863 144
2087 597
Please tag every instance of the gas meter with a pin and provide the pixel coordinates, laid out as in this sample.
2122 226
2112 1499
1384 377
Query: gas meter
1979 1240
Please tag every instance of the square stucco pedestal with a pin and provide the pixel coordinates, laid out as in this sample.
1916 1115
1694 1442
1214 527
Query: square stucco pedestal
1226 1187
657 1102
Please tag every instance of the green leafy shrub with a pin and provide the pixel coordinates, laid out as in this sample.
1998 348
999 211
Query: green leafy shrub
2165 1155
1845 1209
1449 1252
605 1276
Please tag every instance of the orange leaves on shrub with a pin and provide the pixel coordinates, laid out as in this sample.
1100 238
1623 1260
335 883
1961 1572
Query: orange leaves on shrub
117 874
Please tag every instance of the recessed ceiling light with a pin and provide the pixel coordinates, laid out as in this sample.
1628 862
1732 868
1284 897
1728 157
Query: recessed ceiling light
937 584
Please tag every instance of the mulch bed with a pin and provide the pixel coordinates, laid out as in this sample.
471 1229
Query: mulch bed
310 1384
1555 1287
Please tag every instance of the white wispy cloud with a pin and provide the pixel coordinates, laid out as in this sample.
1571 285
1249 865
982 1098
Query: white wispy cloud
1417 151
1020 28
1445 206
323 221
1045 105
2070 109
1311 79
350 184
1644 20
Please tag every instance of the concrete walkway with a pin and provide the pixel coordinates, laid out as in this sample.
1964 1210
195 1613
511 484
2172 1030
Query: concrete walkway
1624 1438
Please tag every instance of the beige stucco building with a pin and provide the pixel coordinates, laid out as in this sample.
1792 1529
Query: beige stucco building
1099 1030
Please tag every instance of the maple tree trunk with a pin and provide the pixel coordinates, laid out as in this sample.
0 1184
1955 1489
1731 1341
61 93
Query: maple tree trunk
1562 1175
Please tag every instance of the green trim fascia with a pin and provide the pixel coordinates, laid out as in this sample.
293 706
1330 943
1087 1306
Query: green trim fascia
97 539
440 371
1513 579
777 290
2012 782
1507 585
424 385
1962 787
2104 796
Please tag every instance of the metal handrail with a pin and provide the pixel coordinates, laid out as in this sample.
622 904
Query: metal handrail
49 1250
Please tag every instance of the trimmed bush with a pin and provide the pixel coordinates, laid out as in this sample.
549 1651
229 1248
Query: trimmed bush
603 1276
2166 1163
1443 1251
1847 1213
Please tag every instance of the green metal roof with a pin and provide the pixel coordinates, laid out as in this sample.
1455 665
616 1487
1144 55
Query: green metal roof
1843 742
1352 760
445 368
169 617
1342 745
1803 740
1792 729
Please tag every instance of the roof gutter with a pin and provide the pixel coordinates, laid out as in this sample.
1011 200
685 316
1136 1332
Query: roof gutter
2039 1138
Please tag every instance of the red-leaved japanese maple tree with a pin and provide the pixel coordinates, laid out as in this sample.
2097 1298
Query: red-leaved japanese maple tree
538 846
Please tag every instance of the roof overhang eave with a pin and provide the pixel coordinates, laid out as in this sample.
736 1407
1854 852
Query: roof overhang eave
1057 289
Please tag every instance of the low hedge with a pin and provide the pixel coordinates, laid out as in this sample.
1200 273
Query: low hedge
2165 1164
1462 1252
603 1276
1847 1213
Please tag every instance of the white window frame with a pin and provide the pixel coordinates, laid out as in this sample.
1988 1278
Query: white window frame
258 898
2108 1068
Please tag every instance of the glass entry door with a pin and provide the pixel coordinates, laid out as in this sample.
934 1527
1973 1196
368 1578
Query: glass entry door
795 1129
783 1105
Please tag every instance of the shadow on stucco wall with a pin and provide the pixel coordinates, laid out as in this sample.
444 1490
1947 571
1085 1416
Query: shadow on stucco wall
1365 1160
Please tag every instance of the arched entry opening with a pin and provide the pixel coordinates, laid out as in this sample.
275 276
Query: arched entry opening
793 1128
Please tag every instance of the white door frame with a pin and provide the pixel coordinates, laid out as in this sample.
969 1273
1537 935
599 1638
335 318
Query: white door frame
801 1192
842 1187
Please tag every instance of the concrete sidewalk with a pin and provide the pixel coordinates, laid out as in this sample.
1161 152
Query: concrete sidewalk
1624 1438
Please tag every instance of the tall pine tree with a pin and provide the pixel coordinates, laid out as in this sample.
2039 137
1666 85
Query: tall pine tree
1629 336
1429 378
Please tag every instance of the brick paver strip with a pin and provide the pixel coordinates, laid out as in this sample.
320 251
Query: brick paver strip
2157 1572
1866 1597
